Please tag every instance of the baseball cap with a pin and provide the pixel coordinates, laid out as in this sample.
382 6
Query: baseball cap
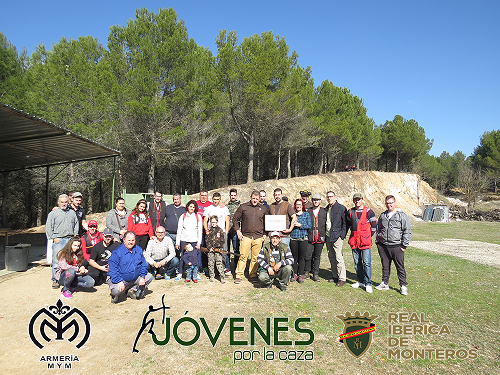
275 234
107 232
316 196
357 196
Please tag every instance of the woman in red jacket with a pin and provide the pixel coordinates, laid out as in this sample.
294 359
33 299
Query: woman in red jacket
139 222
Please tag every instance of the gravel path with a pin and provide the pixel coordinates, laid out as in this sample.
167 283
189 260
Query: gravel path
475 251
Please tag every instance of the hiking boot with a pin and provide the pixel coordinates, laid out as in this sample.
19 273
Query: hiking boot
55 285
140 293
357 285
300 279
404 290
316 278
333 280
115 299
341 283
66 294
237 280
369 289
282 287
132 294
382 286
306 275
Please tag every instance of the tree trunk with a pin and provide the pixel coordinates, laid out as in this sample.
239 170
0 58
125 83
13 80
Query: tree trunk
289 164
151 177
279 163
201 173
296 163
230 165
251 151
397 160
320 169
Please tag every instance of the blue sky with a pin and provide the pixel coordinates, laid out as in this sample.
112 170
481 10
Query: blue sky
433 61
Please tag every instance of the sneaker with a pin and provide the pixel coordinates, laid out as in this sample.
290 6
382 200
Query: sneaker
178 278
404 290
227 272
158 276
66 294
269 286
198 278
333 280
237 280
300 279
55 285
341 283
316 278
195 280
282 287
212 279
382 286
294 278
369 289
222 280
167 277
306 275
358 285
187 280
114 299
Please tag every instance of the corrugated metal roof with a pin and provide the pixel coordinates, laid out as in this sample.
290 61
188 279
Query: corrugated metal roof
27 141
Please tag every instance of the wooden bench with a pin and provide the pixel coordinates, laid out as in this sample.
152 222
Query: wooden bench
5 232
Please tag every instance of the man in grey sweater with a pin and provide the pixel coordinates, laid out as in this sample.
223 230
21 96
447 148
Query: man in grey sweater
393 237
62 224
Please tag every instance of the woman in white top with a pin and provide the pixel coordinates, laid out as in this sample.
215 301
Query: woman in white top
189 230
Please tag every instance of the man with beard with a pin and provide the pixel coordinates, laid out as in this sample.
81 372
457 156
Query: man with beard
99 257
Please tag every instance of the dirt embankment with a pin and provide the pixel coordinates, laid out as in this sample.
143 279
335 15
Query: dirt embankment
410 191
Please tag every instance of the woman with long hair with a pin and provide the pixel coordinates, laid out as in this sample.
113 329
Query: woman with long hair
139 222
71 271
298 241
189 230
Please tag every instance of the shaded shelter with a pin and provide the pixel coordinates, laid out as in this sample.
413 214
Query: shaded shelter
27 141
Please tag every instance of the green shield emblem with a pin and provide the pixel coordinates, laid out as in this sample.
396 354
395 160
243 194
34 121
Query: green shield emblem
357 335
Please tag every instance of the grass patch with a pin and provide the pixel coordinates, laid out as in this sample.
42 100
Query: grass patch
484 231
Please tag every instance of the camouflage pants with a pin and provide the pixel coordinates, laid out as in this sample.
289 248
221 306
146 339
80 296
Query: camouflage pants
215 259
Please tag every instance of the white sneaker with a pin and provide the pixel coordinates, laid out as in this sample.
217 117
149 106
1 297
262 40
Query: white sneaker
358 285
382 286
369 289
404 290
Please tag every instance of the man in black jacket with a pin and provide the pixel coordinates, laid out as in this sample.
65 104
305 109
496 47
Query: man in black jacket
336 230
157 208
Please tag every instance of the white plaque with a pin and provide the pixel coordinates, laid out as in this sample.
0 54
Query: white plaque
275 223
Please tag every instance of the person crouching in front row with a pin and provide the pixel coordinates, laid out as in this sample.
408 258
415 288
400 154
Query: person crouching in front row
275 260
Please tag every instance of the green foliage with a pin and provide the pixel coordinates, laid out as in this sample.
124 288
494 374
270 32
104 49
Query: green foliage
404 140
487 155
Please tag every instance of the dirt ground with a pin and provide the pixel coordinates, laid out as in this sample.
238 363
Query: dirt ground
115 327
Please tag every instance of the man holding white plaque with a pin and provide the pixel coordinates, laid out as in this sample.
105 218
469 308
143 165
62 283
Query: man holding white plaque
285 210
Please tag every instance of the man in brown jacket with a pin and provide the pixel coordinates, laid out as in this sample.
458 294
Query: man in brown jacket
251 235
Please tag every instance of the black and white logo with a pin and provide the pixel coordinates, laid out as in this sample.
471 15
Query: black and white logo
59 319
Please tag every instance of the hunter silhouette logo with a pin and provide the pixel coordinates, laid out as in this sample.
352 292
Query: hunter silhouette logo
358 330
61 325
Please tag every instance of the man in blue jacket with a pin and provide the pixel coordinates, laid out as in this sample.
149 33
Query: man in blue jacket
128 270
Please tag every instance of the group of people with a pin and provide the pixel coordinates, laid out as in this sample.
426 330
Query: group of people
164 241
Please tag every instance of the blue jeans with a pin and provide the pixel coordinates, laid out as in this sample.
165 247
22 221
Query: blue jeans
192 272
181 265
286 240
232 238
69 279
56 247
363 267
168 269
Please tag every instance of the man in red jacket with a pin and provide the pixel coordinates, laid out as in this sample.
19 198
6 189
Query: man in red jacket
363 224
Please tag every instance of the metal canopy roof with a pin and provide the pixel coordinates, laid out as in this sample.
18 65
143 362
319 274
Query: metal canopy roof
27 141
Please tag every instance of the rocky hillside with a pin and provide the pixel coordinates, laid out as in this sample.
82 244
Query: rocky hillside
410 191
